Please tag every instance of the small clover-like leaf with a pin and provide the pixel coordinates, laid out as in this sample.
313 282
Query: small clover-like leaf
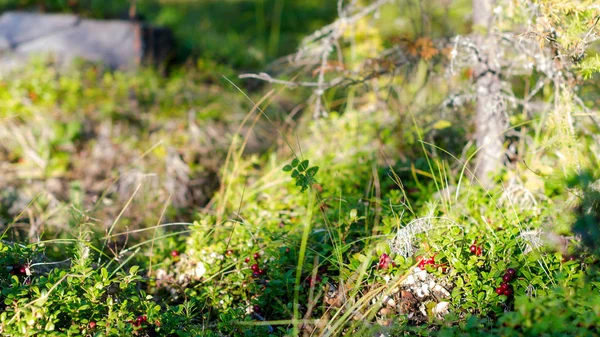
312 171
295 162
303 166
295 173
287 168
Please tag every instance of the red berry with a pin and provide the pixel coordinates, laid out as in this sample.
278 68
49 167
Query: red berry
508 292
384 261
16 269
511 271
136 323
478 251
499 291
256 256
422 264
287 250
430 260
473 249
254 267
22 270
504 286
261 272
507 278
92 324
247 260
315 281
139 320
144 318
229 252
174 253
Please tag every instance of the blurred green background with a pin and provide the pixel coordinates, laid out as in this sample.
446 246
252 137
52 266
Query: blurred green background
245 34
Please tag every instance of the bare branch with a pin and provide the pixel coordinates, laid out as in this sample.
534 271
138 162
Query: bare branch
316 50
267 78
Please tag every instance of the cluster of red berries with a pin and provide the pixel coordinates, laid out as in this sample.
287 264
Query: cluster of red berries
256 270
424 261
139 320
475 249
568 258
505 288
385 261
430 261
313 281
317 277
19 269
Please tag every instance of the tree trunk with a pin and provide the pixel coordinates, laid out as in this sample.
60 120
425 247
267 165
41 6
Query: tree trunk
490 108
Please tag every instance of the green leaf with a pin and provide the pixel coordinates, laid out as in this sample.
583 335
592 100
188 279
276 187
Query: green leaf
295 162
295 173
312 171
133 270
441 124
303 165
287 168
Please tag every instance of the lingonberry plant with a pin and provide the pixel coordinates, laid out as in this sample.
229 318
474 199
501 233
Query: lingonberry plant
424 221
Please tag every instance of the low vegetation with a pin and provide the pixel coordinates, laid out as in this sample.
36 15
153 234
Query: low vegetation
192 205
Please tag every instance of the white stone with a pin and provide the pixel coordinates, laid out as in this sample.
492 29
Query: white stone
160 274
420 274
425 289
441 309
200 270
389 301
442 290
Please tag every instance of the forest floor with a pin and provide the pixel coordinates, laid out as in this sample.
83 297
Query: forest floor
197 204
